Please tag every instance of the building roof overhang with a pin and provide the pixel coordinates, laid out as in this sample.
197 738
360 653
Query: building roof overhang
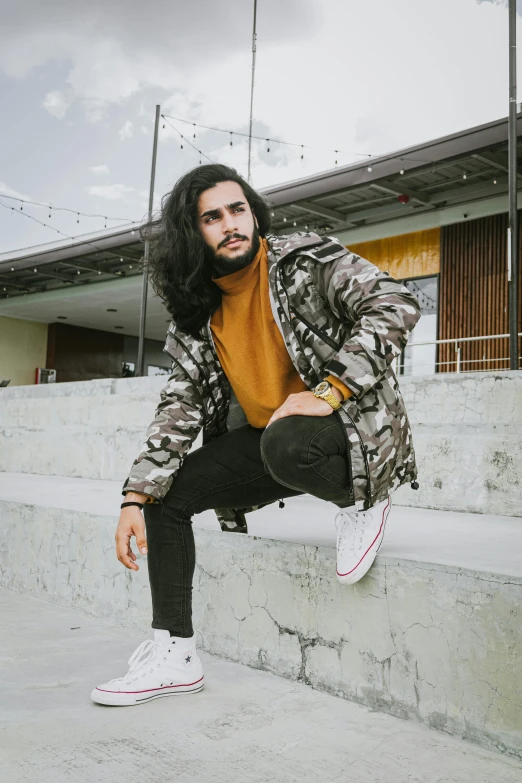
461 168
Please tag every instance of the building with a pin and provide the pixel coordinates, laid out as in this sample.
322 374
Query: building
434 215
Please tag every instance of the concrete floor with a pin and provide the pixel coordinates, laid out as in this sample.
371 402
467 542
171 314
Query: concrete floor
481 542
246 725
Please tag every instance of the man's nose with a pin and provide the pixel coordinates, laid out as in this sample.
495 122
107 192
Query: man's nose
229 223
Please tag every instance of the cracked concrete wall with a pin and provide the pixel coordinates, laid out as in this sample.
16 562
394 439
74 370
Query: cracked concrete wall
431 643
467 433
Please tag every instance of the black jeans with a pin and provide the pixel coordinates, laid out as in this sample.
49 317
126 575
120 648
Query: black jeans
245 467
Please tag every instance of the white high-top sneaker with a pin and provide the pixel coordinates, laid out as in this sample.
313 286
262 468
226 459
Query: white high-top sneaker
359 537
167 666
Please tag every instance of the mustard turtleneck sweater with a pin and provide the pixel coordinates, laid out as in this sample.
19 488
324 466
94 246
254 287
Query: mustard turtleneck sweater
250 346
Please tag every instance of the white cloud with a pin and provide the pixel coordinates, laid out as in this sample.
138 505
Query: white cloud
111 192
144 130
98 170
125 132
5 190
56 102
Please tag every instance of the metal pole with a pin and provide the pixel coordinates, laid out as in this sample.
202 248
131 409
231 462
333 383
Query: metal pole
144 291
513 266
252 93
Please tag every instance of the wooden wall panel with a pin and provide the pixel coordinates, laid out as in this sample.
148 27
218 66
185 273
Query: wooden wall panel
473 292
405 256
79 354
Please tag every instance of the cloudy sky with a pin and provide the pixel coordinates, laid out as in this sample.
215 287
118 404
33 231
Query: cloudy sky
79 83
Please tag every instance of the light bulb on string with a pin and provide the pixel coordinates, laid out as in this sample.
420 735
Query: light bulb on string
105 224
231 139
284 220
401 171
369 168
50 210
336 153
21 206
181 143
464 176
163 125
194 136
302 152
77 219
494 181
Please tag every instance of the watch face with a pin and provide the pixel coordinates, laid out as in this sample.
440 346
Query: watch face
322 387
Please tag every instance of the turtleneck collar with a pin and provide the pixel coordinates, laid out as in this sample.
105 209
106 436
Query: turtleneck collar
238 281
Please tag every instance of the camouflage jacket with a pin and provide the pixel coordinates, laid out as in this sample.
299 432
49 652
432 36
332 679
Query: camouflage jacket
338 314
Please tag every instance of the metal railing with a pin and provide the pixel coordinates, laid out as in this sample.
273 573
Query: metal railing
402 368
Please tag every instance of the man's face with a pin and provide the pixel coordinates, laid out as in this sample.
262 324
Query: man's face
227 224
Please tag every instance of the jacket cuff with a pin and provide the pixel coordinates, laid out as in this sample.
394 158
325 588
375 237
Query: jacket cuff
346 392
154 492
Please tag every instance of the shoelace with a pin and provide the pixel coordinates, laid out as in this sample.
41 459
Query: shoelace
144 653
354 520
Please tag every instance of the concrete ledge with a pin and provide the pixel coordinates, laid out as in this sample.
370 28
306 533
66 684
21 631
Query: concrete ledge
467 433
420 640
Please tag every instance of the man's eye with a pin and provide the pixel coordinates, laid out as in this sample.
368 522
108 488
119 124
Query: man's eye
239 209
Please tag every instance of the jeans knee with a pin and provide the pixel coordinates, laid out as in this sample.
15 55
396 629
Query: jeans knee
280 449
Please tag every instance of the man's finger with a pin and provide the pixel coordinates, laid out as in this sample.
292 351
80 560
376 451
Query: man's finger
122 549
141 541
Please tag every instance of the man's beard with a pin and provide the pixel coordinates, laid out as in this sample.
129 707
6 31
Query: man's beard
223 265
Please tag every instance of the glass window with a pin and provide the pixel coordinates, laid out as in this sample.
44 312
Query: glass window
422 360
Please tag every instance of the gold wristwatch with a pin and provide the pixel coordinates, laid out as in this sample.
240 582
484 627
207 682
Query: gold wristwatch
324 391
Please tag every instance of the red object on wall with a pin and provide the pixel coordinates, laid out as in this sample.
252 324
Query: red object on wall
403 198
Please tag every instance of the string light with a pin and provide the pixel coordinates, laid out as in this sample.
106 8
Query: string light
464 176
166 118
369 168
64 209
401 172
67 236
201 153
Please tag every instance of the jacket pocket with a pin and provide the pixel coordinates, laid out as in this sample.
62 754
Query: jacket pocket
319 332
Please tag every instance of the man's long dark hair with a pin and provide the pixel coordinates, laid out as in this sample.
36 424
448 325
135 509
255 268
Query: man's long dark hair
179 266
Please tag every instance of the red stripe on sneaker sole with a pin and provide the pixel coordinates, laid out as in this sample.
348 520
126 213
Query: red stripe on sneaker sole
134 693
383 522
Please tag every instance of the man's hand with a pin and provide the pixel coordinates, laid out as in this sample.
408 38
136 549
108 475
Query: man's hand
305 404
131 523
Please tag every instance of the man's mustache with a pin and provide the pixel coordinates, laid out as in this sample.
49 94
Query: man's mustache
230 238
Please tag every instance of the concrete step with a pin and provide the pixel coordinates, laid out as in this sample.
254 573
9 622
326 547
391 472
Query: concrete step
246 725
467 432
433 633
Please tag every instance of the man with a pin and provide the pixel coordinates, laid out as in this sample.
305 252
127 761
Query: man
281 353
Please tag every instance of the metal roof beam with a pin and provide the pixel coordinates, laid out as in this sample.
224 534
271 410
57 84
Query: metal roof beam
13 285
486 157
318 209
55 276
396 190
88 268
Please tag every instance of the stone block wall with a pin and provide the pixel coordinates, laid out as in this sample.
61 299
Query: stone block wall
467 433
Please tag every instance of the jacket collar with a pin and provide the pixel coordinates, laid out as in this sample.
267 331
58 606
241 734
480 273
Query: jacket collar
284 244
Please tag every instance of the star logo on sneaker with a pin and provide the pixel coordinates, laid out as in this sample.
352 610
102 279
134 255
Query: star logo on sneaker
188 659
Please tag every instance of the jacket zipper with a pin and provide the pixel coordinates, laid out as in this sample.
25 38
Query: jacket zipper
367 470
314 329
